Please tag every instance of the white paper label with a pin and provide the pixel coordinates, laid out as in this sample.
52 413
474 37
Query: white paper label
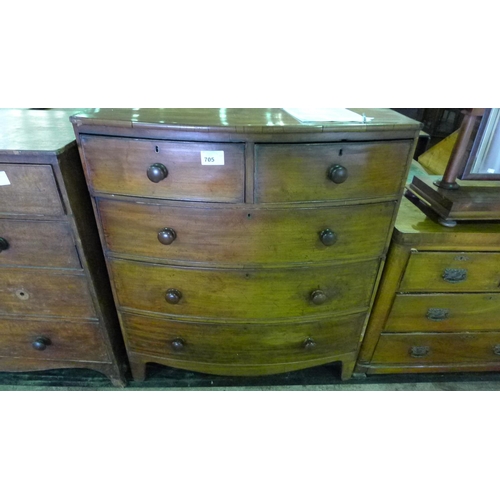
212 157
4 180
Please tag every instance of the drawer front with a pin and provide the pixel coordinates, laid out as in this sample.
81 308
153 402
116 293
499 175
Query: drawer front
122 166
51 340
32 191
243 294
245 235
44 293
40 244
425 349
444 313
452 272
243 344
288 173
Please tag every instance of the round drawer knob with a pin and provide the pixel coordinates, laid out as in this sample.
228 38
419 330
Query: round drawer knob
338 174
173 296
318 297
309 343
4 244
157 172
328 237
166 236
177 344
41 343
496 349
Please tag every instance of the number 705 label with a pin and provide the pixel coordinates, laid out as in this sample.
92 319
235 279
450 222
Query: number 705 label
212 157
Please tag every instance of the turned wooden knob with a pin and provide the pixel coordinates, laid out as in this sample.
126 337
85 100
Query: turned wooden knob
328 237
167 236
309 343
157 172
172 296
4 244
318 297
41 343
177 344
338 174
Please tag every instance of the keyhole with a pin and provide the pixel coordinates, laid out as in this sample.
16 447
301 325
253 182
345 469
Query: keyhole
341 151
249 215
22 295
157 149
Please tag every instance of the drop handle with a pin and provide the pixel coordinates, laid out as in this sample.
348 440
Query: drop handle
177 344
157 172
328 237
41 343
4 244
167 236
309 343
318 297
173 296
338 174
496 349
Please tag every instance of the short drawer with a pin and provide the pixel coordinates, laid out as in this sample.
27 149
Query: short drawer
32 190
244 294
340 171
452 272
243 344
45 293
427 349
444 313
165 169
51 340
249 235
39 244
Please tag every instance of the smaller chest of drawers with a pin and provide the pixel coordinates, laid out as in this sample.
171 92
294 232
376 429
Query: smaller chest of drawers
438 305
56 307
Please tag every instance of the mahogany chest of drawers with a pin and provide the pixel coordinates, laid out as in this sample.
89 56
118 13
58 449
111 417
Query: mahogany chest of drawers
240 241
438 305
56 306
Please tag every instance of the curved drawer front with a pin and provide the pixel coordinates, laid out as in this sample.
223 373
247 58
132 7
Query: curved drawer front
40 244
51 340
426 349
452 272
300 172
45 293
243 344
120 166
244 294
245 235
444 313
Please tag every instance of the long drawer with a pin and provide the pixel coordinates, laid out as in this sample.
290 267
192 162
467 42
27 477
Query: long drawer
37 243
444 313
435 348
43 292
244 294
340 171
242 344
245 235
452 272
165 169
60 340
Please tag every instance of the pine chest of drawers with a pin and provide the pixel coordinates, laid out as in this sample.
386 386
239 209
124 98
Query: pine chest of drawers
240 241
438 305
56 305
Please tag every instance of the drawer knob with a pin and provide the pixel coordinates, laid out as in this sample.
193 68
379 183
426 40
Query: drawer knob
338 174
318 297
309 343
41 343
4 244
167 236
177 344
496 349
328 237
157 172
419 351
455 275
173 296
437 314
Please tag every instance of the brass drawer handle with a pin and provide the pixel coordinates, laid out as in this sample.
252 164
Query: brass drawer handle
318 297
328 237
419 351
157 172
173 296
437 314
177 344
167 236
338 174
41 343
4 244
309 343
496 349
454 275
